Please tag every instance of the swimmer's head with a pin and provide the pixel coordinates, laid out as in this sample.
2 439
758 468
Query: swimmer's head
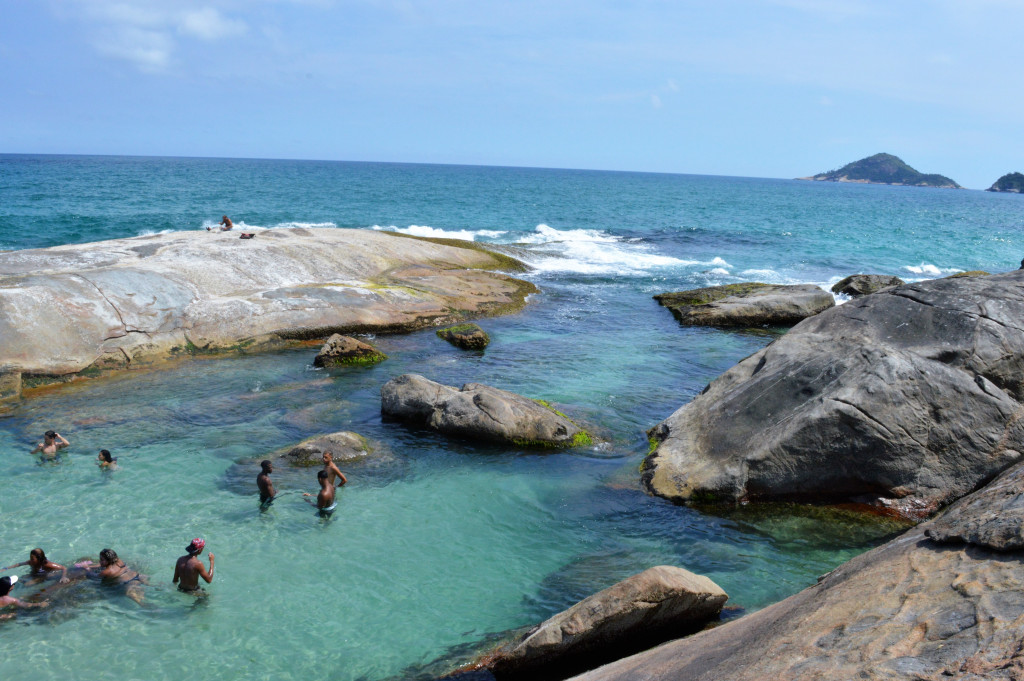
108 557
196 547
105 456
50 434
37 558
267 466
6 583
328 457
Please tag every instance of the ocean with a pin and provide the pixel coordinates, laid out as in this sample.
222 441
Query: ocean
439 545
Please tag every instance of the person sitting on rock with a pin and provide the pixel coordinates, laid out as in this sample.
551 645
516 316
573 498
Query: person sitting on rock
225 224
325 503
332 470
52 443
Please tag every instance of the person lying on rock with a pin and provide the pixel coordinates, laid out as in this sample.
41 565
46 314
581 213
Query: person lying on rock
332 470
41 566
325 503
52 443
265 484
114 572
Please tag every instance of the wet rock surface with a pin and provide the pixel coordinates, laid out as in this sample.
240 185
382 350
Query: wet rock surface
747 304
341 350
865 284
465 336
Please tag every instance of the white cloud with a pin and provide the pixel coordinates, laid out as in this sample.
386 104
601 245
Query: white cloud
208 24
142 31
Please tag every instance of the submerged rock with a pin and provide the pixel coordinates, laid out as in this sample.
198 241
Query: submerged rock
465 336
658 604
341 350
479 412
911 609
912 393
747 304
865 284
132 302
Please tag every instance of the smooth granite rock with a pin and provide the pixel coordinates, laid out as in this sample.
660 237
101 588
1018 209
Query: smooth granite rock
912 394
465 336
865 284
747 304
341 350
127 302
656 605
910 610
479 412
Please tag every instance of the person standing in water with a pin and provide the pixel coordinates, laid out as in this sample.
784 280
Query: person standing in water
189 569
332 470
105 461
52 443
265 484
325 503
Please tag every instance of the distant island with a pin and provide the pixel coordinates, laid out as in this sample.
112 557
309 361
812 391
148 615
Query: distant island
1011 182
883 169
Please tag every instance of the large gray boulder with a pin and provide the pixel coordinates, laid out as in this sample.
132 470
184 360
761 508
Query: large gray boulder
85 308
912 394
910 610
865 284
479 412
656 605
344 446
747 304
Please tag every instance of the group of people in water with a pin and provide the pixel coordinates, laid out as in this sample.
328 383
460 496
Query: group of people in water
110 570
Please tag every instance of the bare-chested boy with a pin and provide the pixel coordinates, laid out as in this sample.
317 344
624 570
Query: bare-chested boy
332 470
52 443
189 568
325 503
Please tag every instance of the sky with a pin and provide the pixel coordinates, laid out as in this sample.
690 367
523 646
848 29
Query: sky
758 88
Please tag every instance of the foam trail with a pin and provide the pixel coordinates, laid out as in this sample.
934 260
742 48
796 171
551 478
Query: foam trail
591 251
243 226
423 230
151 232
929 270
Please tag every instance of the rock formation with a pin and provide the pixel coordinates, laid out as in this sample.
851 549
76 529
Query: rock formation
80 309
912 609
656 605
465 336
865 284
344 350
913 393
748 304
479 412
343 446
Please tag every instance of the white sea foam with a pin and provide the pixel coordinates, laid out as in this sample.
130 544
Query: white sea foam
243 226
591 251
423 230
929 270
151 232
720 270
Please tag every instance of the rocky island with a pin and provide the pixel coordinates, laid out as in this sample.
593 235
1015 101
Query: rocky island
1012 183
883 169
83 309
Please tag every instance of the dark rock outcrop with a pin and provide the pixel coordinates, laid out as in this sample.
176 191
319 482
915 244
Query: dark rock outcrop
341 350
479 412
865 284
648 608
992 518
465 336
747 304
913 393
910 610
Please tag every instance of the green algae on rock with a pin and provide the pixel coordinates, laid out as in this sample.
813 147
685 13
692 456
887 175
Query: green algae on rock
465 336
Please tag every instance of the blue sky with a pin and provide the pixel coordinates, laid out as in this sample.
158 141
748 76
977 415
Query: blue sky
768 88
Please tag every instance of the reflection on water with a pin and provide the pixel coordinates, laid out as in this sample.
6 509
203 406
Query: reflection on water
437 544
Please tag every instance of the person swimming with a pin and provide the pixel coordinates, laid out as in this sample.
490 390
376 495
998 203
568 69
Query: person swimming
104 460
114 571
8 601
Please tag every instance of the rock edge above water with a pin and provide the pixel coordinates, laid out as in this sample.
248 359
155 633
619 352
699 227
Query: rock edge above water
479 412
747 304
913 393
85 308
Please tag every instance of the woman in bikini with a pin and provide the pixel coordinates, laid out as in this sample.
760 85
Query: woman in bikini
41 566
113 571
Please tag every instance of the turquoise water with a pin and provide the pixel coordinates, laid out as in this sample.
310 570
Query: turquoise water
438 544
